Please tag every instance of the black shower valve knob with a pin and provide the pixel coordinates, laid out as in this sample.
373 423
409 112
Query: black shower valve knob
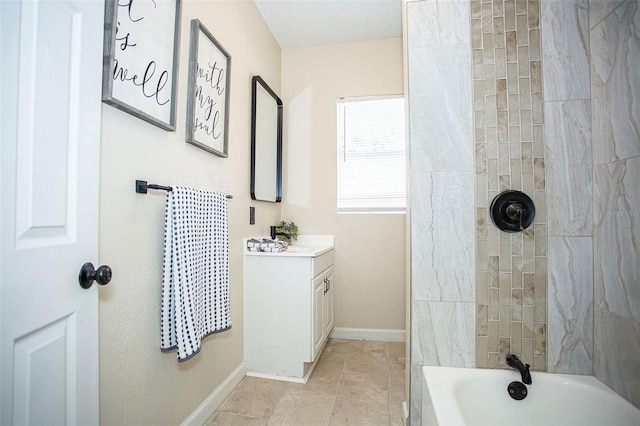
512 211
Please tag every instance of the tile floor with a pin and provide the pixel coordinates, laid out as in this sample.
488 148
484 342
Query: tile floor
356 382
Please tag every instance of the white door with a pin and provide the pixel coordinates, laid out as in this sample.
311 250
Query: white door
50 128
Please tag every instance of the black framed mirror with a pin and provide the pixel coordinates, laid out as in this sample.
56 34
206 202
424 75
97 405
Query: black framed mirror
266 142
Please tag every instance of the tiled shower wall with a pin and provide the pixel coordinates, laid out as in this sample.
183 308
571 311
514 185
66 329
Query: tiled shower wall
442 219
511 268
615 111
565 51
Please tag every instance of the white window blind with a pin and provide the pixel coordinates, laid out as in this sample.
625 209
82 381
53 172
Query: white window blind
371 155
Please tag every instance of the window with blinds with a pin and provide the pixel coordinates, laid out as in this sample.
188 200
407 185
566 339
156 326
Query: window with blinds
371 155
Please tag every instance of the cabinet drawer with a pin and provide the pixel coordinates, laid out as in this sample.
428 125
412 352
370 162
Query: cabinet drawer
321 263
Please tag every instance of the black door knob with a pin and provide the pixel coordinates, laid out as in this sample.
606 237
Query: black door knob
88 275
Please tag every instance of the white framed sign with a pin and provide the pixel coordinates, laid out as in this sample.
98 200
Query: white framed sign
208 92
140 58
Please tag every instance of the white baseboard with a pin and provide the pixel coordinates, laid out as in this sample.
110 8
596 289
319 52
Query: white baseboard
383 335
201 414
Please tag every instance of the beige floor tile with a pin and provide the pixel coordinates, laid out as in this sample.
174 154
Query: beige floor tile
301 407
231 419
355 382
360 401
325 376
255 397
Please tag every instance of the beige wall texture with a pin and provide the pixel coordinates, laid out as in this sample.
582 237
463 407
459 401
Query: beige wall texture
370 249
138 383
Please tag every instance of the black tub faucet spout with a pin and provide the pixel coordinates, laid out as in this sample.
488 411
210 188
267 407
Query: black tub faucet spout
514 362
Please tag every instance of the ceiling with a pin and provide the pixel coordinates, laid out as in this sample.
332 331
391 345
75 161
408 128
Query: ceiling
299 23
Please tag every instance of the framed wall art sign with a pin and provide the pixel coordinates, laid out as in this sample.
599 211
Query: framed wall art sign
141 58
208 92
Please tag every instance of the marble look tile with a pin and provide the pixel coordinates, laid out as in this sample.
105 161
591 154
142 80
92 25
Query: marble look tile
569 206
488 52
498 31
501 63
617 354
443 334
533 13
482 352
534 44
523 61
514 110
416 395
482 287
540 339
431 23
537 108
568 168
487 18
510 15
511 46
481 191
615 88
538 141
535 70
570 305
498 8
617 237
443 241
478 65
516 337
512 77
441 122
599 9
489 75
525 93
565 49
476 35
539 173
522 30
476 8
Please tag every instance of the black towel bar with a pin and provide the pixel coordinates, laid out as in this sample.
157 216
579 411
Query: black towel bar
142 186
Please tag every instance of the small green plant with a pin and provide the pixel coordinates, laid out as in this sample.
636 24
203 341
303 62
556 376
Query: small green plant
289 228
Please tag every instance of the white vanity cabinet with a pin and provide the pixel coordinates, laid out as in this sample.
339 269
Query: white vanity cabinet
288 311
322 310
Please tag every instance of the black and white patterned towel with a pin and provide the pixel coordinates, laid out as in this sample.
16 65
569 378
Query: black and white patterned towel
195 277
266 245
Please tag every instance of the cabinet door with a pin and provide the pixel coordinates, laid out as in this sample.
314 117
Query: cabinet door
317 316
328 304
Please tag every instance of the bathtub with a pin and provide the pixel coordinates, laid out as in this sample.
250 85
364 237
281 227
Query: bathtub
470 396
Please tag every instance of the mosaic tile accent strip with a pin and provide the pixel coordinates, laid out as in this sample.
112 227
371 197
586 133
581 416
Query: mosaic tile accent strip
511 269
